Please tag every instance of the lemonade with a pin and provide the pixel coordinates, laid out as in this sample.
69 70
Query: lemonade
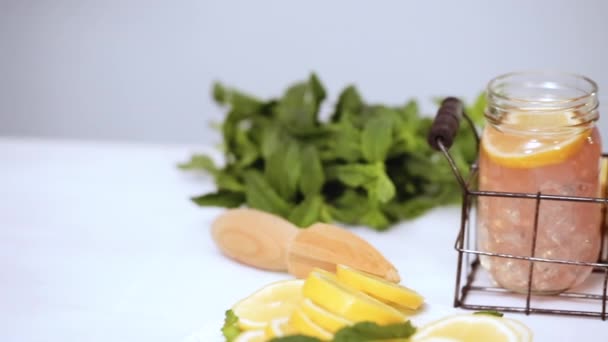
538 142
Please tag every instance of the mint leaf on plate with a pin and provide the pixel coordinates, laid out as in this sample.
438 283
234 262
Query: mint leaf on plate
231 329
369 331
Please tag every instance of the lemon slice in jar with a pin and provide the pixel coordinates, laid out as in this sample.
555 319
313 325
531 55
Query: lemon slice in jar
516 145
603 177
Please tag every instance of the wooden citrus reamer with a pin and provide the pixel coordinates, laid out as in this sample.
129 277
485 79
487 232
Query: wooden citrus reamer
269 242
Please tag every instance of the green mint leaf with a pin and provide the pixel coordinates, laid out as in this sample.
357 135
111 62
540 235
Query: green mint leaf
312 175
345 215
273 137
283 169
307 212
236 128
376 219
292 168
352 198
241 103
381 189
410 111
354 174
229 182
489 312
317 88
377 138
226 199
372 177
218 93
344 142
349 103
229 129
231 329
260 195
245 149
349 207
369 331
408 132
298 108
325 214
295 338
200 162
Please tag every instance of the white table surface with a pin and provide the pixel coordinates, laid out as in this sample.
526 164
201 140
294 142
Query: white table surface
98 242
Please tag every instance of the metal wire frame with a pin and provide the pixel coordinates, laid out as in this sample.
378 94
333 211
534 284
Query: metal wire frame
468 270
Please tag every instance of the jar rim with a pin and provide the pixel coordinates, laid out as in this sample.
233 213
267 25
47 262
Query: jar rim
494 84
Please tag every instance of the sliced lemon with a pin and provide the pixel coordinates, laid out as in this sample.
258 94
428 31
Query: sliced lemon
251 336
379 288
325 319
273 301
512 148
302 324
468 328
325 290
278 328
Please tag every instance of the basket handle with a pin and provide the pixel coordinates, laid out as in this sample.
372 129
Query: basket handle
446 123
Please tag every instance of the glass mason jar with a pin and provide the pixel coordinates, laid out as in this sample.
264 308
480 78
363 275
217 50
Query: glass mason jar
540 137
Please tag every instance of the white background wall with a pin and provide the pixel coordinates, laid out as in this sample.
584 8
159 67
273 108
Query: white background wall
141 70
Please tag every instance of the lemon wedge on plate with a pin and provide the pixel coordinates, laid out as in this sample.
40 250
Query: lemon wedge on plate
273 301
379 288
325 319
324 289
471 328
302 324
278 327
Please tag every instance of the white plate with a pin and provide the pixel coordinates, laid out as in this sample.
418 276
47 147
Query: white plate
210 332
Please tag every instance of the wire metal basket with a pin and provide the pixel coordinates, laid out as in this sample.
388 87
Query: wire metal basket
474 290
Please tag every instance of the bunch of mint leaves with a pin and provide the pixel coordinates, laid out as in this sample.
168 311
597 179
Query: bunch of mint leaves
368 164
